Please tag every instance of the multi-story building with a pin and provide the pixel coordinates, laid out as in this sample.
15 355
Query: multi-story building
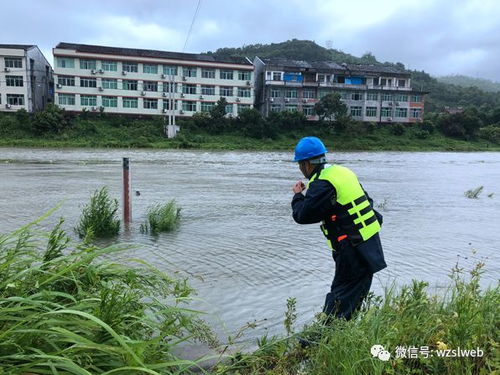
148 82
25 78
371 93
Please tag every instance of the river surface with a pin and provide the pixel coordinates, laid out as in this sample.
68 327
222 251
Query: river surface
237 241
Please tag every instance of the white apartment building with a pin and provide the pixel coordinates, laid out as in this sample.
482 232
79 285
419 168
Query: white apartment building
148 82
25 78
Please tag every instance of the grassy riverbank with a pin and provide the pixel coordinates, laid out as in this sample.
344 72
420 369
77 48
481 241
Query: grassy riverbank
118 132
74 308
421 334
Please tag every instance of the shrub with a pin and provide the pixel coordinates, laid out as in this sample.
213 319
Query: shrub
98 218
72 308
51 120
490 133
162 218
398 129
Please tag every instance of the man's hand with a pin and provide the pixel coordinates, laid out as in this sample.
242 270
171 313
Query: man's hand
299 187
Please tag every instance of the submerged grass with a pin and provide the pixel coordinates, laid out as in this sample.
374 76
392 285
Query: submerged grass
162 218
406 322
99 217
474 193
67 308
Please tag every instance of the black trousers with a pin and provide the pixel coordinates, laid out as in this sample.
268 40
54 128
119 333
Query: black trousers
346 296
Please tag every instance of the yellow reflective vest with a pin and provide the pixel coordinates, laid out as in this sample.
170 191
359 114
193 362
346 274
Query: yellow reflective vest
353 215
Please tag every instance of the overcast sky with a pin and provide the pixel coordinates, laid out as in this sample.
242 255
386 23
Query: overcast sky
439 36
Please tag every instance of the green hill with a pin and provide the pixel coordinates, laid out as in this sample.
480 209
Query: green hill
441 93
465 81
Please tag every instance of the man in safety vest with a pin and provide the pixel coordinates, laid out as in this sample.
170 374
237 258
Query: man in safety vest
350 224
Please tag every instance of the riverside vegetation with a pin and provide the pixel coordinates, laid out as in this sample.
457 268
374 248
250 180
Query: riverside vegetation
67 308
472 130
161 218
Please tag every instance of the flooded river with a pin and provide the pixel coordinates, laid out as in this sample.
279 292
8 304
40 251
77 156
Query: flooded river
238 243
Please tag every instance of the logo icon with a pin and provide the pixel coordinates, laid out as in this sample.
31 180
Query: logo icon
379 351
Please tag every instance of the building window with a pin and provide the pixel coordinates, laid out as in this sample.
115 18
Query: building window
226 91
188 89
275 107
207 73
356 111
276 76
275 93
308 110
387 97
226 74
401 82
166 104
401 98
66 99
291 108
88 82
371 111
309 94
88 100
371 96
150 103
170 70
65 62
207 106
189 71
15 99
208 90
229 108
357 96
109 83
16 81
131 67
87 64
291 93
130 103
244 92
242 107
110 101
402 112
188 106
109 66
150 68
13 62
416 98
66 80
244 75
129 85
150 86
169 87
416 112
386 112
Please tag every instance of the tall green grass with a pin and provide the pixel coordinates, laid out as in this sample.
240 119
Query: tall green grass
463 317
68 308
99 217
162 218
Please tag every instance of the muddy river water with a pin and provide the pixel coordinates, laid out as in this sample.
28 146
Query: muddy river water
237 241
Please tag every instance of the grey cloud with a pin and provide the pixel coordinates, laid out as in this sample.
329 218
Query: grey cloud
424 38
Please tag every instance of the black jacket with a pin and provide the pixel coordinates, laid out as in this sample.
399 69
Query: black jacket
316 206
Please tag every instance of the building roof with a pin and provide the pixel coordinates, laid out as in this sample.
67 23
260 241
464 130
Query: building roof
17 46
332 65
152 53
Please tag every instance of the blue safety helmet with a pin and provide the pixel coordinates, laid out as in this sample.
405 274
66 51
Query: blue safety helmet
308 148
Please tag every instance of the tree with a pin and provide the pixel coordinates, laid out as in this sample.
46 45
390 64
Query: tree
51 120
218 112
252 124
331 108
